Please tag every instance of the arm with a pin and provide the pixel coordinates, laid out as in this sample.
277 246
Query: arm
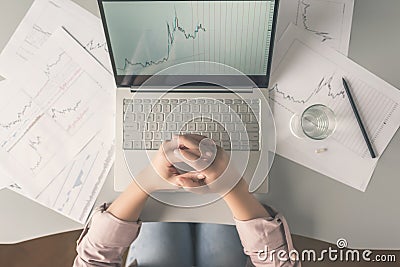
258 226
243 205
114 228
260 229
111 230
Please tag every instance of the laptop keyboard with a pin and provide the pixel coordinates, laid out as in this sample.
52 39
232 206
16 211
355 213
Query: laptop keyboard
147 122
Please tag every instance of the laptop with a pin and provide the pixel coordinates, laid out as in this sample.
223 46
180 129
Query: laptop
167 58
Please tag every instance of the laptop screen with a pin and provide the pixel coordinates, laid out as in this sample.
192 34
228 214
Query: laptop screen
146 37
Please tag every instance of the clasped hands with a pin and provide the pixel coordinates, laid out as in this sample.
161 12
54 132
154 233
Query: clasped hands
192 162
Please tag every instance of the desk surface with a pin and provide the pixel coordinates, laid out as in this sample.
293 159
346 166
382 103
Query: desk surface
315 206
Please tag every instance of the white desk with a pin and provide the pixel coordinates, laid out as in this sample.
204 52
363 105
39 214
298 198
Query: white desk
314 205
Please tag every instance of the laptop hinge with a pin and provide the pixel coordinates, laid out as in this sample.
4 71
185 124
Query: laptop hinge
192 90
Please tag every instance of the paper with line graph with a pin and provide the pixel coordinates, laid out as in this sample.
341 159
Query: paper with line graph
74 191
41 21
46 118
308 73
329 20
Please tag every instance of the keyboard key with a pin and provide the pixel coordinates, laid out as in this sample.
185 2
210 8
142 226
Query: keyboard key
226 117
129 117
140 117
160 117
235 146
137 108
253 136
242 108
235 136
166 108
127 145
230 127
185 108
204 108
157 108
235 108
214 109
152 126
167 135
171 126
148 135
142 126
130 135
215 136
254 145
157 136
187 117
226 145
216 117
252 127
178 117
169 117
211 127
137 145
156 144
223 108
147 145
191 126
127 108
201 127
146 108
195 108
225 137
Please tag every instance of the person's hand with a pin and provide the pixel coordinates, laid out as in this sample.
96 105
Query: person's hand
161 173
211 169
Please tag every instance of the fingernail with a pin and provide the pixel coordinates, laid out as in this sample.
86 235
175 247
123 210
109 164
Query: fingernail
201 176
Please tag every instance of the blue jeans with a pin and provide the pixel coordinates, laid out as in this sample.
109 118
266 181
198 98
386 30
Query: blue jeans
186 245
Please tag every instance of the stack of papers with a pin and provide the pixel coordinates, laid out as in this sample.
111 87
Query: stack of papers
307 72
57 108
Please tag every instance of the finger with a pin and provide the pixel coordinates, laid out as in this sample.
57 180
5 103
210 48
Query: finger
190 180
188 141
186 154
197 137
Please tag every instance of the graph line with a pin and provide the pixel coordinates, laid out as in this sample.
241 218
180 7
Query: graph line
20 115
34 143
325 35
55 112
324 83
92 45
39 29
55 63
171 31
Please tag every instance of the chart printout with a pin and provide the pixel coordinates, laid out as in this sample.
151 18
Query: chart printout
148 36
46 118
74 191
41 21
308 73
329 20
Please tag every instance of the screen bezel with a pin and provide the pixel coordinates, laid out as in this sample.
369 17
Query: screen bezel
261 81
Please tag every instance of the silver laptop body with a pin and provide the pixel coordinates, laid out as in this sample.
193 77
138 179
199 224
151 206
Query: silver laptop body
149 112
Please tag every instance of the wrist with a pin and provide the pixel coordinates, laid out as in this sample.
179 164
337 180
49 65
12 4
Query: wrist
237 191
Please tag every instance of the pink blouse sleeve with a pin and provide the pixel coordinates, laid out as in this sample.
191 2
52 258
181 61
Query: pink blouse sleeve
104 240
267 241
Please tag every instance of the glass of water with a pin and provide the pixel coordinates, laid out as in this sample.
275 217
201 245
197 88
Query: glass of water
316 122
